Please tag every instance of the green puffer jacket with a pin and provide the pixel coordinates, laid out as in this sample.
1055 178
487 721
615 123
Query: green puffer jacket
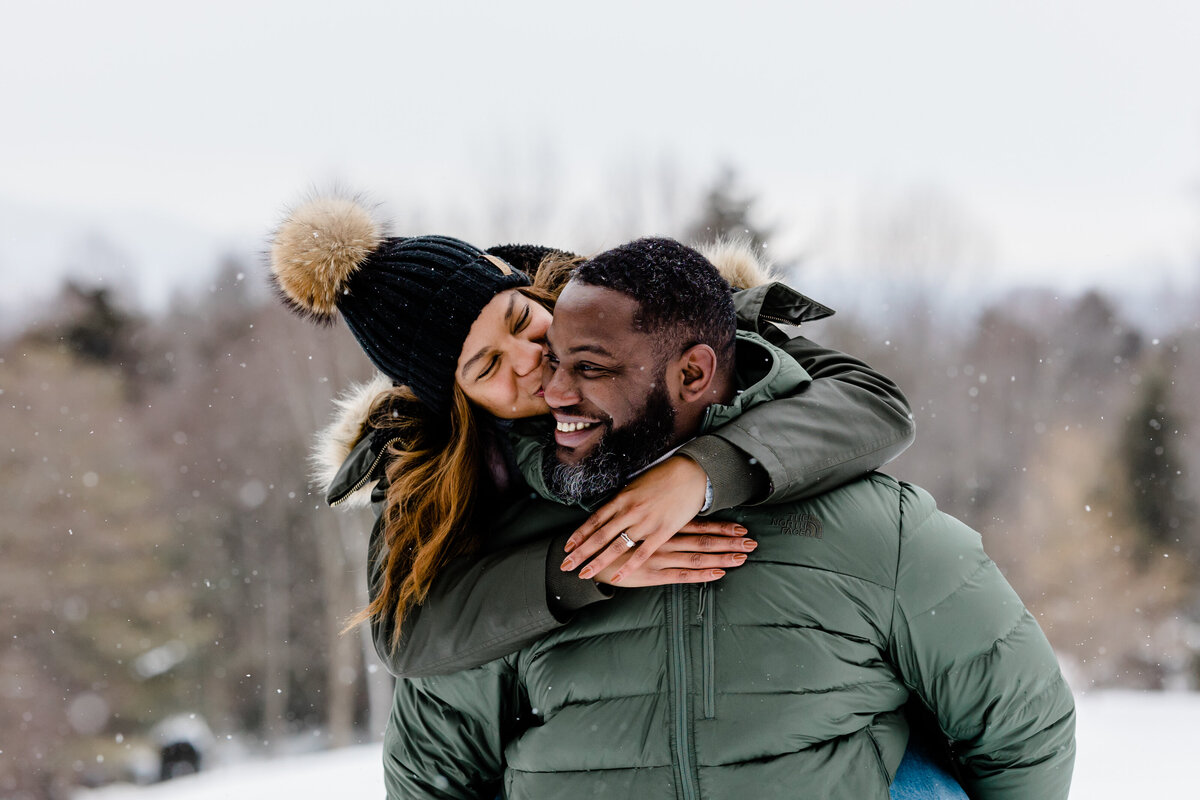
784 679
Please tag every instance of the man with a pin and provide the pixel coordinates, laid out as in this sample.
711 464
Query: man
787 678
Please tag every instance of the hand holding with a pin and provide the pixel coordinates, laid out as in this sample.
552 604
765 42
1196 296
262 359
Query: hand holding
697 557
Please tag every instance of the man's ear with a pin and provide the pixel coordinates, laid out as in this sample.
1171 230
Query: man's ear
697 370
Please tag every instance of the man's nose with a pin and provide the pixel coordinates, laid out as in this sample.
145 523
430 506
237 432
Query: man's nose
557 387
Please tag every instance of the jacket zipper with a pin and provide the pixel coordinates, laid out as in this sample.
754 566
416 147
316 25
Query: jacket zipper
708 613
366 478
773 318
679 674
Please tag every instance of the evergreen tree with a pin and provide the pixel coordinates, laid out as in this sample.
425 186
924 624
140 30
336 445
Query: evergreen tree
98 331
726 213
1154 466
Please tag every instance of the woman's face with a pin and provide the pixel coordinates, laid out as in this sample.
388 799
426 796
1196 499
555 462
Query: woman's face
500 367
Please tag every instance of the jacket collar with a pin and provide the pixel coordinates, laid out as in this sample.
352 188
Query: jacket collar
759 306
763 373
346 457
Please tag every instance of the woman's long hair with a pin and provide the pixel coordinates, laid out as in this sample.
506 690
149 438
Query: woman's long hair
435 462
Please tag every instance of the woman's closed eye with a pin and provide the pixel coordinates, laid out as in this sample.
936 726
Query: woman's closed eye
489 368
522 321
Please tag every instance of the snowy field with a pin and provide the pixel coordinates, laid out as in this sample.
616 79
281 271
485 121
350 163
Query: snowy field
1131 744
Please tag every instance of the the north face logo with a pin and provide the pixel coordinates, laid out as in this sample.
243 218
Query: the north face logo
802 524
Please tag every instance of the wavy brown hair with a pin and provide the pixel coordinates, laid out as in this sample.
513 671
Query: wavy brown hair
435 462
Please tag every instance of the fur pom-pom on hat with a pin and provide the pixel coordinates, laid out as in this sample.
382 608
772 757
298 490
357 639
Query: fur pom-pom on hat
316 249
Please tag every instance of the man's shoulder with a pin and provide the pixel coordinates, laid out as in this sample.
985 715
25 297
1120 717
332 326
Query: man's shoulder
879 493
874 494
936 553
875 514
899 511
854 530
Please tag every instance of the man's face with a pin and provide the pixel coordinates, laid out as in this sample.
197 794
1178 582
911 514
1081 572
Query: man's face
606 388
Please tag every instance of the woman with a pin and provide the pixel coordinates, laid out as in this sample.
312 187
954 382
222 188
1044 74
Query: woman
459 331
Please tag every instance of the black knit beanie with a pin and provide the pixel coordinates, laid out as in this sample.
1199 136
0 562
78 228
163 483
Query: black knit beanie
409 301
526 257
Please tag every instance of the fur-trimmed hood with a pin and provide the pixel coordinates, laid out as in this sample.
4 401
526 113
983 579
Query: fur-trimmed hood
760 301
334 443
738 264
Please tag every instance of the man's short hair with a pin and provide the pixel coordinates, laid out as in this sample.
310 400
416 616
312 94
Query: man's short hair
677 291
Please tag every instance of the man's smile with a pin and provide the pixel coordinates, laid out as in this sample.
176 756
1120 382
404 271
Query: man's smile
569 427
572 431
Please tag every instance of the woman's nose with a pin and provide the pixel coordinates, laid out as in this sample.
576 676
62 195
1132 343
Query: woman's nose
528 358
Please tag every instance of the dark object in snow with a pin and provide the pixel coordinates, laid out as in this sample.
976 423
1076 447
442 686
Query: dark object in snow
183 741
179 758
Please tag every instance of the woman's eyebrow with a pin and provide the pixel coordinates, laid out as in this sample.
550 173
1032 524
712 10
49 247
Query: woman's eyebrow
483 352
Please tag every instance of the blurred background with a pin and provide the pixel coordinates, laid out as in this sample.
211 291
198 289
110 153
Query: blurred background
1002 202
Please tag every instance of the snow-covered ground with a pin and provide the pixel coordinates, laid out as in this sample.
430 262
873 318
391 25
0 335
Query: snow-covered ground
1131 744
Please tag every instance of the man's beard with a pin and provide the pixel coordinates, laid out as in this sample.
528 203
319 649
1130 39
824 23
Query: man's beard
619 454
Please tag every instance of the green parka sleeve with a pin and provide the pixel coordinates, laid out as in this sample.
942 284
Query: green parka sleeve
966 646
480 608
847 422
446 736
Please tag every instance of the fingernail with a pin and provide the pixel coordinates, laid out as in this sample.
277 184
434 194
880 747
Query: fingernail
749 544
740 528
718 573
617 578
570 545
568 564
739 558
587 572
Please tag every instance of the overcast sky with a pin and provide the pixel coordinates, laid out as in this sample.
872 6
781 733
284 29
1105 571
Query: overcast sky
1066 135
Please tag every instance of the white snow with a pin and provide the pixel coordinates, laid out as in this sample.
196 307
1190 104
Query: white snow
349 772
1136 744
1131 744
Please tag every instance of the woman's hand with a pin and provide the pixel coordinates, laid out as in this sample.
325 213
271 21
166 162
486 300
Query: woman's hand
654 507
696 557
